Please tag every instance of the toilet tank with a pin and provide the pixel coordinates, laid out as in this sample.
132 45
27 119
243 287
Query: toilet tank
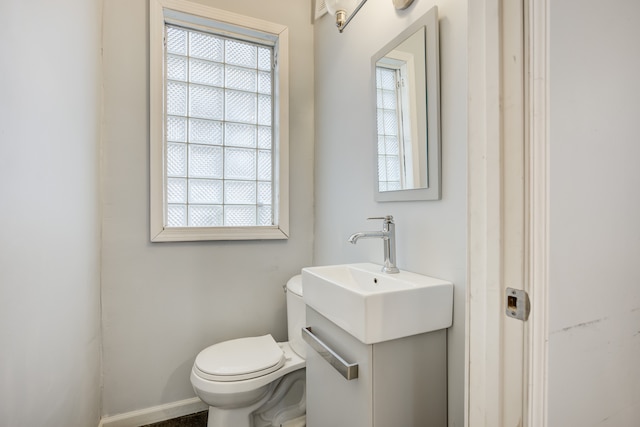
296 315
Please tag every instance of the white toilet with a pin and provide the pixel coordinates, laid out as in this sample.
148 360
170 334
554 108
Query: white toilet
256 382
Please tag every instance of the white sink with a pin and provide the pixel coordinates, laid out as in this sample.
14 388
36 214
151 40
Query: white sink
374 306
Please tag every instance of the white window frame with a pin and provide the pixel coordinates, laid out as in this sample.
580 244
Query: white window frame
197 16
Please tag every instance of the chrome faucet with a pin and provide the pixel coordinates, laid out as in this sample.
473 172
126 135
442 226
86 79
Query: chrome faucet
388 235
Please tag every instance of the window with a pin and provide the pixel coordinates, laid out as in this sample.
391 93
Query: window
396 122
389 112
219 125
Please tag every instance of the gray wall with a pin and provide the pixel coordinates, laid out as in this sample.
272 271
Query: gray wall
431 235
164 302
49 199
594 289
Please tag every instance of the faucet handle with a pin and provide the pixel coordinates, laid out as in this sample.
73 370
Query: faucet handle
387 219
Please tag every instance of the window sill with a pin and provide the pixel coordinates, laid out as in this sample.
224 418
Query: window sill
192 234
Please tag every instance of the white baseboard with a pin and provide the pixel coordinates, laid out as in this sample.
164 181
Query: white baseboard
155 414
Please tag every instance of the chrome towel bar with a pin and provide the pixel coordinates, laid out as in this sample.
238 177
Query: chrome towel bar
346 369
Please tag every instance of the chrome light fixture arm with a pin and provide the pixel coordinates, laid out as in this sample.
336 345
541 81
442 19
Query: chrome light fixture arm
343 18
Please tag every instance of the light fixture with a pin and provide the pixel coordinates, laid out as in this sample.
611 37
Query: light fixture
345 10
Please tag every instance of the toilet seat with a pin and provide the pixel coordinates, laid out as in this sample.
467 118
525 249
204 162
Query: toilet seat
240 359
293 362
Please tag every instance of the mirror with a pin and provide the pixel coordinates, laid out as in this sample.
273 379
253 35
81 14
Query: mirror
407 112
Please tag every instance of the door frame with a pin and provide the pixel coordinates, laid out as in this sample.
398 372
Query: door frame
538 91
506 363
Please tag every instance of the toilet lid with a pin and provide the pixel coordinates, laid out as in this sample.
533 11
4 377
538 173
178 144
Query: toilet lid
295 285
240 359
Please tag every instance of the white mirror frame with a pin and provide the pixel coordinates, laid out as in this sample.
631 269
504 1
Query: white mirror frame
432 192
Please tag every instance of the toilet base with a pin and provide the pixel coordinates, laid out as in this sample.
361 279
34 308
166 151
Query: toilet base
239 417
284 401
288 403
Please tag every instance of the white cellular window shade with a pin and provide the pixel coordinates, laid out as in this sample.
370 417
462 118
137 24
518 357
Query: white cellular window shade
219 125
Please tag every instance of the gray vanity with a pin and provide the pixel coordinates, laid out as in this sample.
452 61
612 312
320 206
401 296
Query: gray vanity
377 347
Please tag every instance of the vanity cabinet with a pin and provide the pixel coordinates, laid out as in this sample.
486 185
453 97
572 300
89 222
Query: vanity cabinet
401 382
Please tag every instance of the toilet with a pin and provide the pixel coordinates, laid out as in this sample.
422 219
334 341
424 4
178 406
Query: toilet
256 381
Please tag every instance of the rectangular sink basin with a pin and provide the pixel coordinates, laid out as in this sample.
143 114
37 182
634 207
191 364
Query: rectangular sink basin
374 306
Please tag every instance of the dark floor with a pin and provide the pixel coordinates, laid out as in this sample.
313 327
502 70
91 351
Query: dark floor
193 420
